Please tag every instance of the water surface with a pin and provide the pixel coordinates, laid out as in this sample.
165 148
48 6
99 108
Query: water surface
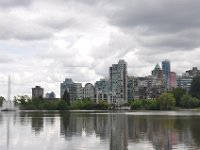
82 130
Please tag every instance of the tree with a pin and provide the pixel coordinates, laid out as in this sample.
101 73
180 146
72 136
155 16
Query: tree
195 87
62 105
178 93
166 101
21 99
187 101
136 104
66 97
1 100
102 105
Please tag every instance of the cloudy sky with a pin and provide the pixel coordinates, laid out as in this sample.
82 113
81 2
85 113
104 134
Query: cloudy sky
44 41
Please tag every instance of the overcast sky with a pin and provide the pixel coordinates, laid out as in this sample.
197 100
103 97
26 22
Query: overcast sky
42 42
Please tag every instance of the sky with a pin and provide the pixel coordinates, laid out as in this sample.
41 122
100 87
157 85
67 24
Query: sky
42 42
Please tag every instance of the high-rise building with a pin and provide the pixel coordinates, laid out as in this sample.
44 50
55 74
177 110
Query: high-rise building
37 92
166 73
74 89
79 91
118 83
131 86
88 91
101 89
172 80
157 73
192 73
50 95
184 82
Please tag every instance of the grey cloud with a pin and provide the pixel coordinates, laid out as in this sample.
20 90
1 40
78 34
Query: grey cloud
169 24
171 42
12 3
59 23
165 16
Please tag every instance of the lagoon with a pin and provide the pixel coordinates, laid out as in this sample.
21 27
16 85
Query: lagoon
99 130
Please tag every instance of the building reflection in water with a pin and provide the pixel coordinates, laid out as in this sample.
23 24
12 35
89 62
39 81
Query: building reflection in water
117 130
162 132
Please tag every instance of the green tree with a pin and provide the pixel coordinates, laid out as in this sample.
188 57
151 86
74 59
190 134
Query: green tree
195 87
137 104
21 99
86 104
102 105
62 105
66 97
187 101
166 101
1 100
178 93
151 104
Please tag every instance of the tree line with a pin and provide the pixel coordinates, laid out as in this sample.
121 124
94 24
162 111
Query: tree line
178 98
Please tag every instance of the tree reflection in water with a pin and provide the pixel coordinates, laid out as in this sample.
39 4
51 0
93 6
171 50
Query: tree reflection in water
115 131
163 132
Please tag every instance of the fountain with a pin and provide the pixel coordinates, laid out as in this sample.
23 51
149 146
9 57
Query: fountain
8 105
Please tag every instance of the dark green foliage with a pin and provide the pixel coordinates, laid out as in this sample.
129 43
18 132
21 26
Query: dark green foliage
178 93
195 87
1 100
150 104
187 101
66 97
102 105
166 101
85 104
62 105
40 104
51 105
137 104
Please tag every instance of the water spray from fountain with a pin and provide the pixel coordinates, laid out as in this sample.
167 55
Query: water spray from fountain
8 104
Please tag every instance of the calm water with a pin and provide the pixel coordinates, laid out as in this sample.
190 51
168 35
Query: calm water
99 130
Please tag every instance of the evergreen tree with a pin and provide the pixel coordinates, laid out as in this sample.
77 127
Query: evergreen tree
66 97
178 93
1 100
195 87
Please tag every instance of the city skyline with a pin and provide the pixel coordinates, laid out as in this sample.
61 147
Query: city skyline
41 43
187 73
